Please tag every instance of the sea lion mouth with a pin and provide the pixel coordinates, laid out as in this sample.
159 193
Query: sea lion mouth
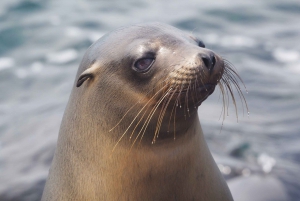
204 91
207 88
194 95
198 89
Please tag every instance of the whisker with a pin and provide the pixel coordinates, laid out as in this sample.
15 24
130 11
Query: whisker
224 100
141 118
139 101
135 118
161 118
171 115
228 84
187 97
236 83
144 128
232 74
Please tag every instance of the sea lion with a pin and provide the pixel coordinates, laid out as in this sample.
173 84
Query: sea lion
130 130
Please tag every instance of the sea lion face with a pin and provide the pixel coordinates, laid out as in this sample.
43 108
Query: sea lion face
167 62
144 73
155 56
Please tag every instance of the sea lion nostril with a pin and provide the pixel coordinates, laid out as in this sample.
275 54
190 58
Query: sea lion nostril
206 61
213 60
209 61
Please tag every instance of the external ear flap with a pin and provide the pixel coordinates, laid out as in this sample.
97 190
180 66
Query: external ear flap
83 77
87 74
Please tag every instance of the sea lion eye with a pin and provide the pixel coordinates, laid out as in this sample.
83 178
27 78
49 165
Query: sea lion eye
201 44
143 65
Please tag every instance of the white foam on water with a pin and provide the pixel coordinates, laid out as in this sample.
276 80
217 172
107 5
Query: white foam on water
285 55
294 68
36 67
266 162
237 41
21 73
211 38
73 32
62 57
94 36
6 62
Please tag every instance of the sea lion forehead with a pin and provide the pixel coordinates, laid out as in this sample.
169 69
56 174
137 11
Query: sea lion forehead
150 32
136 40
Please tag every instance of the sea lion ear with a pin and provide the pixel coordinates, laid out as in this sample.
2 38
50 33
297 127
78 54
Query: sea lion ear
83 77
87 74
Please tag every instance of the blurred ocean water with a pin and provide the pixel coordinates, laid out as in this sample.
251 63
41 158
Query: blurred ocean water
42 43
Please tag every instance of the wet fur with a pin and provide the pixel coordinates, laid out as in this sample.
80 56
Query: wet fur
126 136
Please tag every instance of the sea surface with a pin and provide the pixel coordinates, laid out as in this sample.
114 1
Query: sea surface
42 44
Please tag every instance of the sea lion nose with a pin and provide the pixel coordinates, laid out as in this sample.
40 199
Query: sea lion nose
209 60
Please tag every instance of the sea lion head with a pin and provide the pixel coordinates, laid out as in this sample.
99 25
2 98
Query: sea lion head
147 78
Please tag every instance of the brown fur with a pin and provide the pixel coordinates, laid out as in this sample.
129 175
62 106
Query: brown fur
95 157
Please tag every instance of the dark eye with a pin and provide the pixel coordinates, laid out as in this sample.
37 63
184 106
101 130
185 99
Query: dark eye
143 65
201 44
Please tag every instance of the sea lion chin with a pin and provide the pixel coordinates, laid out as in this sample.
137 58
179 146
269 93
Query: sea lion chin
131 130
